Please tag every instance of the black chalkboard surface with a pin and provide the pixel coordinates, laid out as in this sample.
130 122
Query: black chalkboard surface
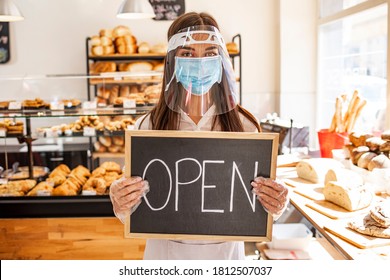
167 9
4 42
200 184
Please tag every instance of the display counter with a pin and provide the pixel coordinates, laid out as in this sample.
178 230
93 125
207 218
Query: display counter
331 224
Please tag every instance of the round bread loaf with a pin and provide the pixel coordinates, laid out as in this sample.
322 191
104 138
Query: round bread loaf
380 161
357 153
374 143
365 159
386 135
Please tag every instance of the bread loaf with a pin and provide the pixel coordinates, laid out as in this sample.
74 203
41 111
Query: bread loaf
380 161
365 159
351 198
343 175
143 47
315 169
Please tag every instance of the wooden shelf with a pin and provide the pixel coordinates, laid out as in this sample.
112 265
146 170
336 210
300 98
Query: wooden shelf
107 155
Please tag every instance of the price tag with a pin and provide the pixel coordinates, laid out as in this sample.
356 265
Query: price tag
129 112
14 105
89 131
129 103
58 113
3 132
3 181
55 105
89 105
43 193
88 192
130 127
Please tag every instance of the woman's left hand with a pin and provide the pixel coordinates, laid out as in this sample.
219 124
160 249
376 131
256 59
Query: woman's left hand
272 195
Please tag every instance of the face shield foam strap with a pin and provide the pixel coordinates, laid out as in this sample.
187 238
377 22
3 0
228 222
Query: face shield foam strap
185 38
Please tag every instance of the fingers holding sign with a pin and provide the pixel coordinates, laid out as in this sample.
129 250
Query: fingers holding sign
126 194
273 195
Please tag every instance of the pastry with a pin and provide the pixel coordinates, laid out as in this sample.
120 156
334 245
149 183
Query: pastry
118 140
96 184
314 169
95 41
368 226
110 166
381 213
159 48
97 50
106 33
120 31
42 187
349 197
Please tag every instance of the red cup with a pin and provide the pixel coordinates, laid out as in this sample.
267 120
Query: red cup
330 141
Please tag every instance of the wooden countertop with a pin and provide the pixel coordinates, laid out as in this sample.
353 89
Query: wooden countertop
331 222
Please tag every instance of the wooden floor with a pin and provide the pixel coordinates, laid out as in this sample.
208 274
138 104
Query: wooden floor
67 239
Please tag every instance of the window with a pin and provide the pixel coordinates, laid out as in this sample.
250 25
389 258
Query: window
353 56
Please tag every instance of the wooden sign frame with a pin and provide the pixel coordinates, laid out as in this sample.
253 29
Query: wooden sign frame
129 136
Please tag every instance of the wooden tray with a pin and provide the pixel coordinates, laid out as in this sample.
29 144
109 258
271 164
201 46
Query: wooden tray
305 188
340 229
334 211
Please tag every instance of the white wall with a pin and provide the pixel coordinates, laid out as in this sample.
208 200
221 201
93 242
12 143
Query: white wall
51 40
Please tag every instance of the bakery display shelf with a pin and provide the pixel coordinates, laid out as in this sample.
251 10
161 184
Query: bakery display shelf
96 155
103 111
124 81
55 206
125 57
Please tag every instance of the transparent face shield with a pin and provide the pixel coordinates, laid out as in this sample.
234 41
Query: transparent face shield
198 73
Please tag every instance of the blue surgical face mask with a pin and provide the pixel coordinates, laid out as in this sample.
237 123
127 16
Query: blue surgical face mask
198 75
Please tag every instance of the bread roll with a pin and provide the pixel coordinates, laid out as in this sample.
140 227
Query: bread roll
365 159
108 50
124 91
351 198
105 41
139 66
144 47
97 50
120 31
357 153
315 169
158 67
106 33
159 48
105 141
343 175
95 41
386 135
232 47
380 161
374 143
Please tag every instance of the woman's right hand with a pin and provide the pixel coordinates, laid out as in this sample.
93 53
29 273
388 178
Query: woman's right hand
126 194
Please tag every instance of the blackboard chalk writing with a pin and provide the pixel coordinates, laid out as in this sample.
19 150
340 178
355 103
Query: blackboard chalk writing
202 173
4 42
200 184
168 9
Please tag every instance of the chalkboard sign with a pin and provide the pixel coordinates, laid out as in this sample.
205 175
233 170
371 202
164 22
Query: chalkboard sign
200 184
4 42
168 9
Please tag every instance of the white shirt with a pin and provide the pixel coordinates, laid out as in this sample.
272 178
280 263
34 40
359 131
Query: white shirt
191 249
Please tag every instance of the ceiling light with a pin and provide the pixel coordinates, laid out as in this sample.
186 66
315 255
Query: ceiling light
9 11
135 9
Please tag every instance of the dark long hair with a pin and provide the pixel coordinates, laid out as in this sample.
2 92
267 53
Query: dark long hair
163 118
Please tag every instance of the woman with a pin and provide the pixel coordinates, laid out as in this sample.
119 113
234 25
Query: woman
198 93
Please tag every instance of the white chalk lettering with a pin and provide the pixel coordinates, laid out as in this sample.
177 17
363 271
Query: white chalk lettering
170 184
184 183
209 186
234 171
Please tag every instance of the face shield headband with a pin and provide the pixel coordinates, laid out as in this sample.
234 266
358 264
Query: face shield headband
198 73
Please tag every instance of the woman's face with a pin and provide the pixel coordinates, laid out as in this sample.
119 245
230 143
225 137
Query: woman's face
198 50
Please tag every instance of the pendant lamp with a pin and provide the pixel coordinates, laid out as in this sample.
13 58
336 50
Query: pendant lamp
135 9
9 11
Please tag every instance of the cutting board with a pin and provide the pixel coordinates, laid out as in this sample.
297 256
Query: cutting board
340 229
332 210
305 188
